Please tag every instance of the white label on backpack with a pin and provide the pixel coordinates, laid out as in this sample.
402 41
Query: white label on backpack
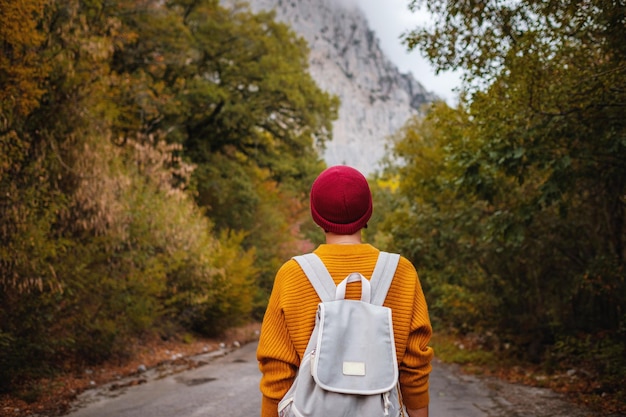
354 368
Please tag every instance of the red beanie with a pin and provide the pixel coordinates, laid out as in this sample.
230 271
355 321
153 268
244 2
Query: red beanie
341 201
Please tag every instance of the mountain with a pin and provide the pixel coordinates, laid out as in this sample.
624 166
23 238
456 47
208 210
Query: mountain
346 60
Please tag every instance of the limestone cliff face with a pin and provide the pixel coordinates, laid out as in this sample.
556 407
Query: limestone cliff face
346 60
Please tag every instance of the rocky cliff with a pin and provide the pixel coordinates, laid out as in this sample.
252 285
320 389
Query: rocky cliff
346 60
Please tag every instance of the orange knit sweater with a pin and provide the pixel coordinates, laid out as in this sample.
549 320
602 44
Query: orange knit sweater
290 318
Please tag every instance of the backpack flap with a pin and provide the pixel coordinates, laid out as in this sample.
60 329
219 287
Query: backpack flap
345 360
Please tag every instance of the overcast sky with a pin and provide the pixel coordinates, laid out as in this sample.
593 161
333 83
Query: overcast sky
389 19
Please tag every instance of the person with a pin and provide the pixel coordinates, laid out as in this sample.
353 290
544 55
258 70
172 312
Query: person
341 204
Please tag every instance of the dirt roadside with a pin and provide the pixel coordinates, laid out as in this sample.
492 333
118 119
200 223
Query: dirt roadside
53 397
513 391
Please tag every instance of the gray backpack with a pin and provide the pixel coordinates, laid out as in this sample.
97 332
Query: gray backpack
349 366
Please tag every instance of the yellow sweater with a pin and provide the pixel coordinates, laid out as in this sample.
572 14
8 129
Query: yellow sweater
290 318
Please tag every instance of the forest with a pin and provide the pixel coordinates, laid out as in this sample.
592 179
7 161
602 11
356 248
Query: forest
156 157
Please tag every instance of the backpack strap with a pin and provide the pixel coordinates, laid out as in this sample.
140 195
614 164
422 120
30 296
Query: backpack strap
320 278
382 276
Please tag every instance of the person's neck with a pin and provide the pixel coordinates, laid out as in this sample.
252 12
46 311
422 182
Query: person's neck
335 239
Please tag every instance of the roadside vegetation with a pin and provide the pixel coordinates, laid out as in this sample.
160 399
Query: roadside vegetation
155 159
577 376
512 204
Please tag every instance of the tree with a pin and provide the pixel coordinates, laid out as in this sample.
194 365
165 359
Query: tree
544 120
239 86
21 68
102 238
233 88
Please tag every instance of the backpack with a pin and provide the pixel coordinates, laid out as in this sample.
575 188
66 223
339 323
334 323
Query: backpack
349 367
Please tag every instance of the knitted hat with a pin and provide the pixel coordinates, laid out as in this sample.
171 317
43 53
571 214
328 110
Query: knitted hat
341 201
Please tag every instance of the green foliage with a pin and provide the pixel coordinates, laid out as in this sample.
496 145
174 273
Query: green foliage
229 303
227 187
448 349
605 356
22 69
238 86
482 239
153 162
241 196
429 221
601 358
237 95
511 205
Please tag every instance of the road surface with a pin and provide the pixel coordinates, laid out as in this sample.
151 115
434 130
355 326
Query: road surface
228 386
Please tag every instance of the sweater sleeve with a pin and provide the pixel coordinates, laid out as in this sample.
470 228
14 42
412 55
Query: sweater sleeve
276 354
416 363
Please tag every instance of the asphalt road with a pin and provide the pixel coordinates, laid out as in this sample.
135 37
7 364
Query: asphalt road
228 386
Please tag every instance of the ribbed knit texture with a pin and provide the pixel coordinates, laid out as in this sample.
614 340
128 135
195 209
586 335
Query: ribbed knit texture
341 201
290 318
